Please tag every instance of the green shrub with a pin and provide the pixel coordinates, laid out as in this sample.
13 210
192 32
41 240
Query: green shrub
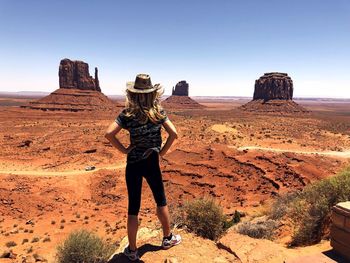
236 218
84 246
205 218
310 209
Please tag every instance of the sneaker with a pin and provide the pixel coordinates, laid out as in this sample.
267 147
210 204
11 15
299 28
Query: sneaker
132 255
172 241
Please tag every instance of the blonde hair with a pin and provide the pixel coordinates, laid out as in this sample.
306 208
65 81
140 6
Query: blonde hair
144 106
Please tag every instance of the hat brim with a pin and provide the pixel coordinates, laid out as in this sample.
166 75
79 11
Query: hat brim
130 87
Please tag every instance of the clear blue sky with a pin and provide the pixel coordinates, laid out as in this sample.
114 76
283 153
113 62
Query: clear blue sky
220 47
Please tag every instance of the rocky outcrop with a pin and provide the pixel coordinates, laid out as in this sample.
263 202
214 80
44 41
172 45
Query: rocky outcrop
75 75
202 250
180 99
73 100
180 89
273 93
181 102
273 86
78 91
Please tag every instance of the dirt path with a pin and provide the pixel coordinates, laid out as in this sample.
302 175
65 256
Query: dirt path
59 173
345 154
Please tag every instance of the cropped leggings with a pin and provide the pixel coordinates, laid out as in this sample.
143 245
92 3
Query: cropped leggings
148 168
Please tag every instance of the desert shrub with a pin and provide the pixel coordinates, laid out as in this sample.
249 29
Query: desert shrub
84 246
35 239
11 244
205 218
310 209
281 205
236 218
260 229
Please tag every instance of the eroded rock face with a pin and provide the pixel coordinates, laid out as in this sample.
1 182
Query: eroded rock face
272 86
75 75
273 94
180 89
78 91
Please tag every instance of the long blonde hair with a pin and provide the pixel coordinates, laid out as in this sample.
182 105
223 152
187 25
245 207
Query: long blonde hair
144 106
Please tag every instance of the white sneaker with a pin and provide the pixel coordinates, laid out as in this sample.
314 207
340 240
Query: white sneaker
173 241
132 255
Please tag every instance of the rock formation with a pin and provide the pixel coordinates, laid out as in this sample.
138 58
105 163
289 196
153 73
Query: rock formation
75 75
273 86
180 99
180 89
273 93
78 90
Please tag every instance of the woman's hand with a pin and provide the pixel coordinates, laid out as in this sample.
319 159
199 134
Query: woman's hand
111 133
129 149
171 130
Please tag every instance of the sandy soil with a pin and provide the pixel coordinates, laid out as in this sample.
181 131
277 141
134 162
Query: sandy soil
243 160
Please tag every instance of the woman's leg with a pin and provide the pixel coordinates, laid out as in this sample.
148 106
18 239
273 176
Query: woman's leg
164 218
155 181
132 227
134 184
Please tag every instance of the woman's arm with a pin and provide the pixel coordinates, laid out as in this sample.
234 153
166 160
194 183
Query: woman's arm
171 130
110 135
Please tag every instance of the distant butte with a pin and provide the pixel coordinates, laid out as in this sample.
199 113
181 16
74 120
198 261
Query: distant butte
78 90
180 99
180 89
75 75
273 93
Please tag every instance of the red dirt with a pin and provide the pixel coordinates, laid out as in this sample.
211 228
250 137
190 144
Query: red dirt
206 160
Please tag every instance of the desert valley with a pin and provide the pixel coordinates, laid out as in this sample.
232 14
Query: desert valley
58 172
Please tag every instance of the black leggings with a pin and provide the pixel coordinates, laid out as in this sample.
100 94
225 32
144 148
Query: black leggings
148 168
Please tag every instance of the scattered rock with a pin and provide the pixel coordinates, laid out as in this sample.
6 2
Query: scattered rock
30 222
25 143
90 168
90 151
39 258
8 254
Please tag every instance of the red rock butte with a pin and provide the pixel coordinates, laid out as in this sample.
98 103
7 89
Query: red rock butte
78 90
273 93
179 98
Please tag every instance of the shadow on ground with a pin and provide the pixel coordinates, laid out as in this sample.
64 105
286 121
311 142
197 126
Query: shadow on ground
335 256
120 258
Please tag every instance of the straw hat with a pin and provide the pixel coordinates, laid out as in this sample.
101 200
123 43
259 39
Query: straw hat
142 84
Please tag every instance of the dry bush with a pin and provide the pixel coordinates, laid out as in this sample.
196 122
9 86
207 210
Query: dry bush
205 218
11 244
84 246
261 229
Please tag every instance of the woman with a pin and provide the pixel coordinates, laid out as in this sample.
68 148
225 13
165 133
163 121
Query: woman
143 117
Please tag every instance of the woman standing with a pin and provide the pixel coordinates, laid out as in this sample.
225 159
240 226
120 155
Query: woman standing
143 117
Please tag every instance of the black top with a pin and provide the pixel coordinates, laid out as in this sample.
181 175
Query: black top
143 136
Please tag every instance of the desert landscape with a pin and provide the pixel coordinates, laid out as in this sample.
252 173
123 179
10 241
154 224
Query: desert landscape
58 172
259 94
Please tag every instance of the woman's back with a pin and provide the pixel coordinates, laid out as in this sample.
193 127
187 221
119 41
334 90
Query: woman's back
143 136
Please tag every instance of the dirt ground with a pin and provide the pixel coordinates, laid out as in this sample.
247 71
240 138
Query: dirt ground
241 159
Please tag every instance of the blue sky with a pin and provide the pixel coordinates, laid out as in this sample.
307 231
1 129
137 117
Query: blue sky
220 47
